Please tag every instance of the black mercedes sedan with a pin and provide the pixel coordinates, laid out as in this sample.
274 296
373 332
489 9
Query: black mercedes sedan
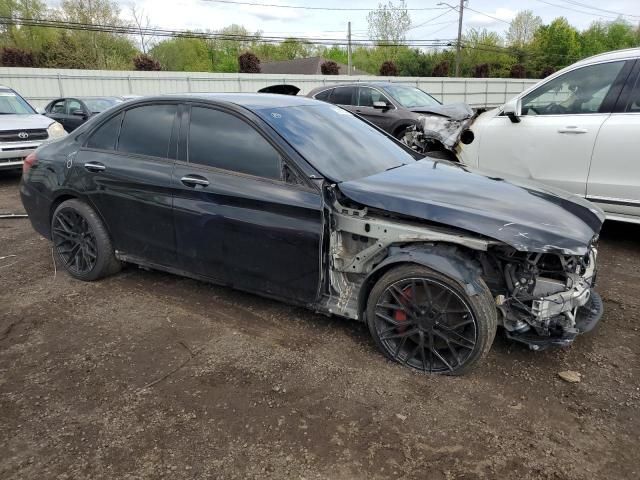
301 201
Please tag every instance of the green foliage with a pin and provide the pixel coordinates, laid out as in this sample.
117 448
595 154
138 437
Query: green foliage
556 45
184 55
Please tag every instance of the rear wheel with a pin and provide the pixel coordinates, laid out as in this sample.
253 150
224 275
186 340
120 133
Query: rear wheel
81 243
426 321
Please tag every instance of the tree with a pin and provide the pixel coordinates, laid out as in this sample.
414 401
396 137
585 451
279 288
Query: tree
518 71
481 70
522 29
16 57
388 69
389 23
248 63
556 45
141 23
144 62
183 54
441 69
330 68
604 36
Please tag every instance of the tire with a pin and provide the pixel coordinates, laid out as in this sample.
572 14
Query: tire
399 132
81 243
404 315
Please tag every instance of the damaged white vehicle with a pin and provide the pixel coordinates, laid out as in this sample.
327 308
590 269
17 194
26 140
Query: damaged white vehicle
576 130
301 201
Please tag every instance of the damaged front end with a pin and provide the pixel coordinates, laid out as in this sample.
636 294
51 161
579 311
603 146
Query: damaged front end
544 299
443 129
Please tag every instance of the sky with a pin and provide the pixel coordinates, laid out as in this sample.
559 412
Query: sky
213 15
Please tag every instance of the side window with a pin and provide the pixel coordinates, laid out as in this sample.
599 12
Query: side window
147 130
324 95
106 135
366 97
57 107
221 140
577 92
634 101
73 105
343 96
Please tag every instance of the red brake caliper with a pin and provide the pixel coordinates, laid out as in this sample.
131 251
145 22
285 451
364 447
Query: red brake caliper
399 315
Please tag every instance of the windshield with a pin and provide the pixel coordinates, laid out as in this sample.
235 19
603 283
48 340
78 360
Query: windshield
11 104
97 105
410 97
338 144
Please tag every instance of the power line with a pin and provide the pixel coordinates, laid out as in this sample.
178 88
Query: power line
489 16
590 7
301 7
157 32
429 20
575 10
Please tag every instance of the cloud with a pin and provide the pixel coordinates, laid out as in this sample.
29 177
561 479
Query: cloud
479 20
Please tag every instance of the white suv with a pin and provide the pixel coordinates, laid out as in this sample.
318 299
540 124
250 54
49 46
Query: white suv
22 129
578 129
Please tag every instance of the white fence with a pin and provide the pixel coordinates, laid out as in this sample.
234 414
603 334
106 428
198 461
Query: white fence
40 85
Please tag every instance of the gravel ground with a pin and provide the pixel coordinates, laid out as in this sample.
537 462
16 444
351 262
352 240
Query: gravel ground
148 375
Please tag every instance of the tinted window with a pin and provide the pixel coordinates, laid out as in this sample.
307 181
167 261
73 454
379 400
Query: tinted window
147 130
324 96
57 107
73 105
105 136
337 143
218 139
634 101
366 97
579 91
342 96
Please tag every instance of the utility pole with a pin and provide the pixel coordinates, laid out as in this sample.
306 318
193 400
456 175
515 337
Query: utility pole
459 43
349 48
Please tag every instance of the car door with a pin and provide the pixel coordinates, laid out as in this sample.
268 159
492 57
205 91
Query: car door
557 129
76 114
124 169
242 215
614 177
382 117
57 111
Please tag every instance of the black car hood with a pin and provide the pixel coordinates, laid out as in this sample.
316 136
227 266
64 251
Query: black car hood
454 111
527 216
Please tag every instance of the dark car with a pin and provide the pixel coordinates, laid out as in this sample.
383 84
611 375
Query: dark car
392 107
301 201
73 112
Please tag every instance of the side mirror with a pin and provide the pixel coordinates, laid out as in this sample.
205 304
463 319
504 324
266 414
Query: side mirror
79 113
512 110
380 105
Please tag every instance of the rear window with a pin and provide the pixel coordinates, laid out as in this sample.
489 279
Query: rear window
104 138
146 130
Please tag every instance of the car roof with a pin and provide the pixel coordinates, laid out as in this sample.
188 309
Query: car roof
624 54
251 101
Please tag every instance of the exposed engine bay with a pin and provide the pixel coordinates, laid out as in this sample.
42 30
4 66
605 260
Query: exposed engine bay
543 298
438 131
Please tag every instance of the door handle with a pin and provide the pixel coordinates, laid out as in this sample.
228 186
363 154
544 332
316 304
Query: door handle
194 181
95 166
572 129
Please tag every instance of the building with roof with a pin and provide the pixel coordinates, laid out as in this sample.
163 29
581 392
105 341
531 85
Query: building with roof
304 66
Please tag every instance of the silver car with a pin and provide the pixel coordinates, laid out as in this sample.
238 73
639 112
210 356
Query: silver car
22 129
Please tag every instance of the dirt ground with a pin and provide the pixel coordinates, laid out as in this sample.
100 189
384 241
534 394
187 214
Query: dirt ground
148 375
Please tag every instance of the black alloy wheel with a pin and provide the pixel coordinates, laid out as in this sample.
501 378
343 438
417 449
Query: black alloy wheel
427 322
81 243
74 241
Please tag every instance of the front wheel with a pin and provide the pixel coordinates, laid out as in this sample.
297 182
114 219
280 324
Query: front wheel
425 320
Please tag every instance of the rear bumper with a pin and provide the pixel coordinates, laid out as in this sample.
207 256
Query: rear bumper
37 207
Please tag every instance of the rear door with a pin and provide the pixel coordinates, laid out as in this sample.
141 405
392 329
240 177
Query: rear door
614 177
383 118
243 216
125 172
559 123
345 97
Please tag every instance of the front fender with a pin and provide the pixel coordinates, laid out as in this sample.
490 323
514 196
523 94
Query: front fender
449 260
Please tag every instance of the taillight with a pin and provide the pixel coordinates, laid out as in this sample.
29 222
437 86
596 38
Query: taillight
29 162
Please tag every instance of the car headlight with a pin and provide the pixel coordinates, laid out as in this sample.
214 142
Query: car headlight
56 130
